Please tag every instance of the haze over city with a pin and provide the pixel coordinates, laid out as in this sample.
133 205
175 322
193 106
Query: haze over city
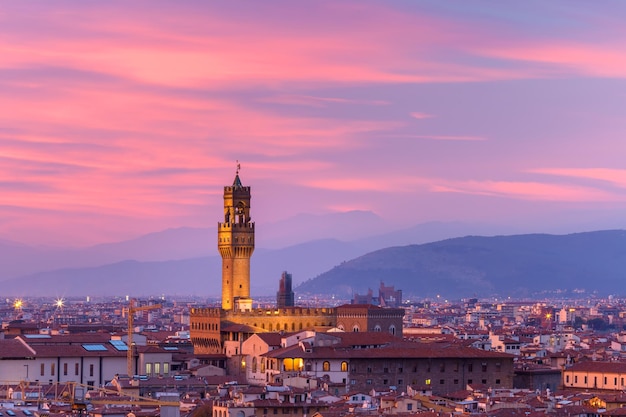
119 119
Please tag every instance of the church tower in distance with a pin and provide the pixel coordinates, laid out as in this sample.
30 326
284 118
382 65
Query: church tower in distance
235 241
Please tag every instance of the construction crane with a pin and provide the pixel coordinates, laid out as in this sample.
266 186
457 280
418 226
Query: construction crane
78 395
131 314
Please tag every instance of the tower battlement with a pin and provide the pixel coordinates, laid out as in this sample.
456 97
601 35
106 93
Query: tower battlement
284 319
285 312
229 226
206 312
234 189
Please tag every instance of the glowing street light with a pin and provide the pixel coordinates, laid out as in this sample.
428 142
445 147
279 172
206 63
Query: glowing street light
18 303
59 303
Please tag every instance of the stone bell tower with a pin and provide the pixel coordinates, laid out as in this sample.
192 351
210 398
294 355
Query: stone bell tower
235 241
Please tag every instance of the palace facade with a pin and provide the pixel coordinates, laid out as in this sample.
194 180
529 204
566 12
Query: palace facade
236 237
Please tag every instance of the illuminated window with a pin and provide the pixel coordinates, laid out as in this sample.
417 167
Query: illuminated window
326 366
344 366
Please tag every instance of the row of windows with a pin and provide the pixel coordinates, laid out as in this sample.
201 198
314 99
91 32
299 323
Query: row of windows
442 368
427 382
42 369
266 411
285 326
297 364
377 328
154 369
595 380
204 326
237 240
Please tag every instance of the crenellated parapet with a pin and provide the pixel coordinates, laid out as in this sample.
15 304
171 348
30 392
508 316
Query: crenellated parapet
284 319
229 189
204 329
286 312
206 312
236 226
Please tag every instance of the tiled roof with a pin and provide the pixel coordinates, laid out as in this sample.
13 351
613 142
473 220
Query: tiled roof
14 349
395 350
597 366
67 339
272 338
56 351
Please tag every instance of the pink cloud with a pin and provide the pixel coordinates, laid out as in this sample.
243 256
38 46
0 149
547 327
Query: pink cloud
312 101
131 115
527 191
419 116
568 58
616 177
439 137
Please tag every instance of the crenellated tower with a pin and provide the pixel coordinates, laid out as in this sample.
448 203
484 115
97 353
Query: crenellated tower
235 241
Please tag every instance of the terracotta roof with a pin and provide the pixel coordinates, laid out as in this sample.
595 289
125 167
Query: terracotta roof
63 351
597 366
67 339
14 349
399 349
272 339
240 328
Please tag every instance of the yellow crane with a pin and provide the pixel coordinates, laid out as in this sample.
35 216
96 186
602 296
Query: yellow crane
131 314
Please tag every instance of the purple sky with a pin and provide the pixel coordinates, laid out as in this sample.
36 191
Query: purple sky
119 119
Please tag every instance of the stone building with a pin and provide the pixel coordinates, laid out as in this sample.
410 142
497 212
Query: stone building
595 375
285 296
369 318
381 362
236 245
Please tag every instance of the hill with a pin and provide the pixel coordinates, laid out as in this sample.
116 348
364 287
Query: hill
520 265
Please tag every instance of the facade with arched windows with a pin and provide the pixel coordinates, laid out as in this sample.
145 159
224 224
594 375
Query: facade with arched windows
369 318
366 361
235 242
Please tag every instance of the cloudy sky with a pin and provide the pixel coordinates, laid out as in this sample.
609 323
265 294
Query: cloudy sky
119 119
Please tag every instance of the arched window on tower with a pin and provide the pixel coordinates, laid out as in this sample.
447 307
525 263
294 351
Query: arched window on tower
240 213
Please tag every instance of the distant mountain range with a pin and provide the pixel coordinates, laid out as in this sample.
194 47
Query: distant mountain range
184 261
516 266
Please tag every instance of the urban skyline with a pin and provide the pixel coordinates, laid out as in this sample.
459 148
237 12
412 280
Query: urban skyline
119 120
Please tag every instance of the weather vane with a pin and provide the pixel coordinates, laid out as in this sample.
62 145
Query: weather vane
238 167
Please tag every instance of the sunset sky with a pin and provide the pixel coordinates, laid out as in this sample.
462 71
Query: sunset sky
123 118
